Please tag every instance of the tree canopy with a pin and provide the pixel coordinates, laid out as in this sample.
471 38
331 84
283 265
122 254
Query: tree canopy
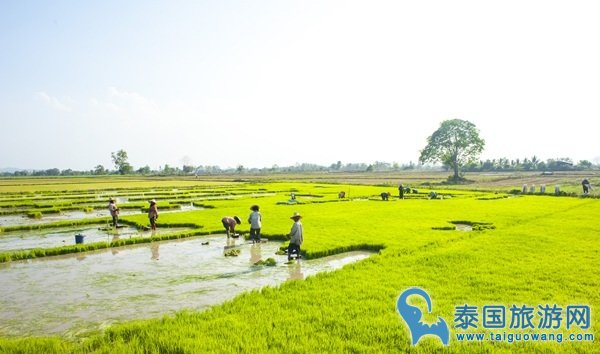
119 158
455 143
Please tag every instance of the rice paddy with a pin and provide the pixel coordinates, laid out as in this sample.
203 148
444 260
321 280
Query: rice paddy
479 246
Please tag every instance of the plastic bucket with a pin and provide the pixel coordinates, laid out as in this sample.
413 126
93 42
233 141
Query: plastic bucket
79 238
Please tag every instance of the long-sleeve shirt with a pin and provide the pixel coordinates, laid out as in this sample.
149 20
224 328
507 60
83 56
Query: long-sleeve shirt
296 233
255 219
152 211
112 208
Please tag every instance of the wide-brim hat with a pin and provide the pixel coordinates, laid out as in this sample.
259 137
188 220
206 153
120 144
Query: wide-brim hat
296 215
153 201
237 220
111 199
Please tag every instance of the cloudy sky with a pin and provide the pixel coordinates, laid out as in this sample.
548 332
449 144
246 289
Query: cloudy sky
259 83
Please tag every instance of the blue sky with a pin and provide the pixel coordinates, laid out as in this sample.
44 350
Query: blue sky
259 83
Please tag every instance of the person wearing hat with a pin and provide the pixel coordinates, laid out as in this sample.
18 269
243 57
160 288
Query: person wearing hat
255 221
152 214
586 186
229 223
114 212
296 236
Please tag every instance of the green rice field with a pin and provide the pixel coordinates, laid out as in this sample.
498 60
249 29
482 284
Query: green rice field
484 244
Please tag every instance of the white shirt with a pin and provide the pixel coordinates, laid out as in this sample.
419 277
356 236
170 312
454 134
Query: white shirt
255 219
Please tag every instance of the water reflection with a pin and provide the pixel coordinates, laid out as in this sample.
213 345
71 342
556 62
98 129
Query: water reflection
255 253
105 289
295 271
229 244
154 250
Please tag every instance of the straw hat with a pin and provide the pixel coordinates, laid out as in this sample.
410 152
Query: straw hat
296 215
153 201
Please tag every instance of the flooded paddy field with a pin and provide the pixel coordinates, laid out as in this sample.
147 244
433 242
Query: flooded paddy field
65 236
20 219
77 294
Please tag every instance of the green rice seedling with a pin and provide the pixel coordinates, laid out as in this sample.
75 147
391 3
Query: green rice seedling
530 250
34 214
269 262
232 252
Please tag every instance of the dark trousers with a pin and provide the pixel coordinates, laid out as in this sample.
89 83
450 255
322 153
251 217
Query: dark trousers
115 220
255 235
293 248
153 223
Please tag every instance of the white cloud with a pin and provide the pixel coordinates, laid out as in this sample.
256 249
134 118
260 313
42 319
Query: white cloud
54 102
131 104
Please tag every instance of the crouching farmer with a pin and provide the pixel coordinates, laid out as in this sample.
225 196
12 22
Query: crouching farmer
296 236
229 223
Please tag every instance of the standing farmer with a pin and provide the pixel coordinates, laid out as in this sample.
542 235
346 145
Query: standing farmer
114 212
296 236
229 223
255 220
153 214
401 191
586 186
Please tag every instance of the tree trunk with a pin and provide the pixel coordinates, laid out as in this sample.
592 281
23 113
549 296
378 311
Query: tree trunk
455 166
456 171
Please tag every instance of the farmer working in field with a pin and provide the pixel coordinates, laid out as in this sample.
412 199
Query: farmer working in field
586 186
255 220
296 236
153 214
229 223
114 212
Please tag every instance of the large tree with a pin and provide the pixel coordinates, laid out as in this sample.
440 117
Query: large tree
455 143
120 160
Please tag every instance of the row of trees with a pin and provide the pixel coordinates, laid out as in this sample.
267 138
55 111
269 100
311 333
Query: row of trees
456 144
495 165
533 164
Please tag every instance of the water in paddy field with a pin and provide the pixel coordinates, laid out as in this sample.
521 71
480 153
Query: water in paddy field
65 236
72 295
7 220
463 227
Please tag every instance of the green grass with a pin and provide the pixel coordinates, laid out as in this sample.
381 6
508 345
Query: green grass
540 250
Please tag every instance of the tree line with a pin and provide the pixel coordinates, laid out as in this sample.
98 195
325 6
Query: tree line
456 144
489 165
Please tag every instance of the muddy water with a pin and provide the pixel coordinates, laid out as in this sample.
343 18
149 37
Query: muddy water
47 238
73 295
7 220
463 227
